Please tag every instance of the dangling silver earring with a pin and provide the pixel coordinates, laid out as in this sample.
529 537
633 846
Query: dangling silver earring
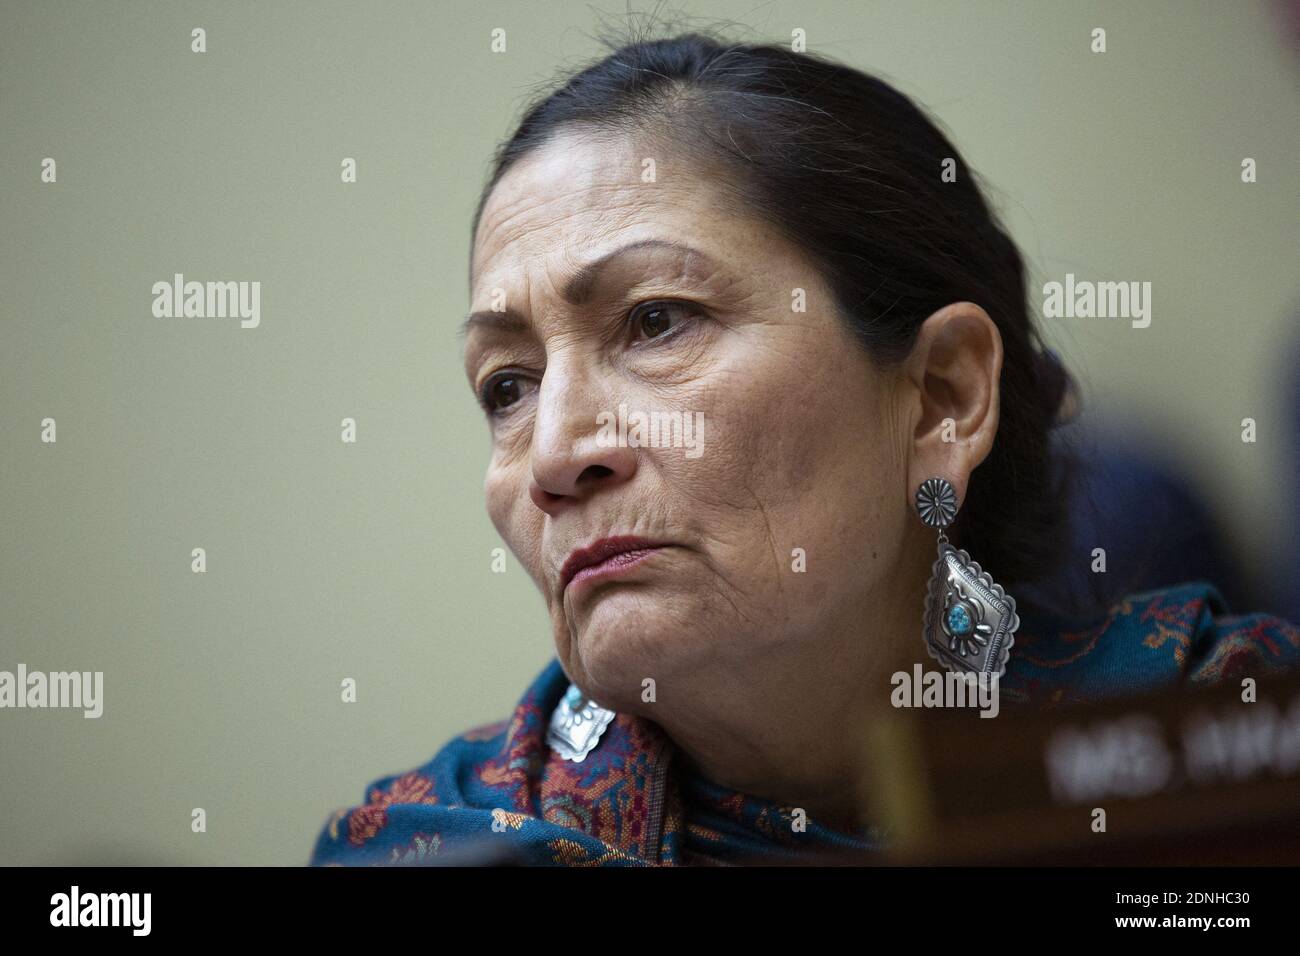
970 621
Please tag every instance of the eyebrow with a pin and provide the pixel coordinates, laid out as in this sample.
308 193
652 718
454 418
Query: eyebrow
579 287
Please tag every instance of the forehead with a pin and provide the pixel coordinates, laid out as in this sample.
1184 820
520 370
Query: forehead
583 192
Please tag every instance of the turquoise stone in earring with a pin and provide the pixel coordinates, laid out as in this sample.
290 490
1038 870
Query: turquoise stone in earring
959 621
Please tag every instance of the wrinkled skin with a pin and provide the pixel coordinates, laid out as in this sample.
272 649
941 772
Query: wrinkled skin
762 674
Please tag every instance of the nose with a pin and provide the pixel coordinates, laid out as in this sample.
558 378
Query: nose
572 456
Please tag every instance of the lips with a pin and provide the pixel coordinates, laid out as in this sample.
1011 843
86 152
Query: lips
602 551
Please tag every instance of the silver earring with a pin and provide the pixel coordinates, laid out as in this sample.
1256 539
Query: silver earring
970 621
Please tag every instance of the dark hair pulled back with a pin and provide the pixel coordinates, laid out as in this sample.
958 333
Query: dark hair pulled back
848 169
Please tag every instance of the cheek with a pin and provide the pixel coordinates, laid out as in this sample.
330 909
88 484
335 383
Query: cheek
851 474
796 433
496 493
513 514
800 456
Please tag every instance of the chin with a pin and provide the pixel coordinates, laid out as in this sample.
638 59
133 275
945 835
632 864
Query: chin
624 637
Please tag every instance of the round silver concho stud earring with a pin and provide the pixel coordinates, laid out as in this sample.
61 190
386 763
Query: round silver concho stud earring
970 621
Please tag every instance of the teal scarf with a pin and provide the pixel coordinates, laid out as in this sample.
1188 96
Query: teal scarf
498 794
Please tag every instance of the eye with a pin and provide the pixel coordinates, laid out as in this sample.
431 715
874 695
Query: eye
659 320
500 391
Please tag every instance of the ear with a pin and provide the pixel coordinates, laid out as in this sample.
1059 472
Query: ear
954 368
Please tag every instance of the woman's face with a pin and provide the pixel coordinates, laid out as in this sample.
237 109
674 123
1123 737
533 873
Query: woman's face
783 516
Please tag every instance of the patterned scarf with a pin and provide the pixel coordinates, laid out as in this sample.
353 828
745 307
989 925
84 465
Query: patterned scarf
498 794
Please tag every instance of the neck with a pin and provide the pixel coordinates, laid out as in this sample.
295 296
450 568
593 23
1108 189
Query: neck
794 729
